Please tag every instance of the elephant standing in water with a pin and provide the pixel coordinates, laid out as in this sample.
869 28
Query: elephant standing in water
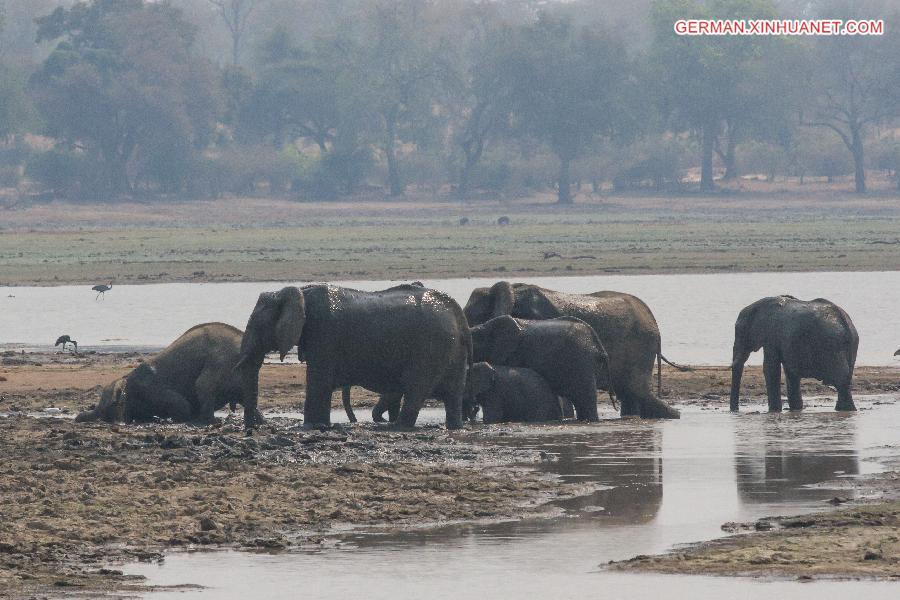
188 381
407 340
566 352
811 339
624 324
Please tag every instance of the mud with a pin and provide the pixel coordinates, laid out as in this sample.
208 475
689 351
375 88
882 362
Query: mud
862 542
75 498
33 382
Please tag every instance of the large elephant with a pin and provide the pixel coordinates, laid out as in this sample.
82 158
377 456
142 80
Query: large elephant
623 322
407 340
512 394
810 339
188 381
565 351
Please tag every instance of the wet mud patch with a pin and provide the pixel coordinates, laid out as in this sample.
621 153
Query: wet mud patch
860 542
74 499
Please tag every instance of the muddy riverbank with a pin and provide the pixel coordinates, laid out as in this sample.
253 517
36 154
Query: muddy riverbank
33 382
73 499
76 498
861 542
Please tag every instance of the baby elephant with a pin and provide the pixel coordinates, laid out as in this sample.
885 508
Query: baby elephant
512 394
188 381
565 351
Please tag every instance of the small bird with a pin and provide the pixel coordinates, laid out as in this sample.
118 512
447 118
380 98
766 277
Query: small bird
897 353
101 289
64 339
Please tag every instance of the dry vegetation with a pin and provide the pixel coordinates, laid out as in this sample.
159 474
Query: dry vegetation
272 240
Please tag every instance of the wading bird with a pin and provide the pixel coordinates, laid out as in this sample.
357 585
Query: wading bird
101 289
64 339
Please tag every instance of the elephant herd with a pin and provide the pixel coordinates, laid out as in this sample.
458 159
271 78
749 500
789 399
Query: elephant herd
517 352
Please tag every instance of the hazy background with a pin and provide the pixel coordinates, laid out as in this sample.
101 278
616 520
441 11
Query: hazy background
326 99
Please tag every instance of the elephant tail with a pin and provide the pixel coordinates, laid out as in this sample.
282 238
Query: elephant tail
659 361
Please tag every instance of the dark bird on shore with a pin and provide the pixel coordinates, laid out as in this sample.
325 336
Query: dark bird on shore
64 339
464 220
101 289
504 220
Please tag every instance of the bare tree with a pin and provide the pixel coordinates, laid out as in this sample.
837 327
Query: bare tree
236 15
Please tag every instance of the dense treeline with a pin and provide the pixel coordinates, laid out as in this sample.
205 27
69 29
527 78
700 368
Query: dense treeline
322 99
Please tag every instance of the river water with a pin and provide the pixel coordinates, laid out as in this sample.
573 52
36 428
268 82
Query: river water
696 313
665 483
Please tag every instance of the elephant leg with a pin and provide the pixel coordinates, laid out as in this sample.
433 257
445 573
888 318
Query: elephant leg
409 411
167 403
795 400
348 408
585 401
772 374
317 405
845 399
389 403
393 402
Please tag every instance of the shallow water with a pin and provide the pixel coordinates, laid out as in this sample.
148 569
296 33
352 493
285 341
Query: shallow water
664 483
696 313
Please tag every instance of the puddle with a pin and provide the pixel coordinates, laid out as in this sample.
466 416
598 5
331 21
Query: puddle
697 328
664 483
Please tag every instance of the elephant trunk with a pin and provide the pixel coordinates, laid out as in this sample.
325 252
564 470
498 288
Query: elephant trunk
248 367
737 371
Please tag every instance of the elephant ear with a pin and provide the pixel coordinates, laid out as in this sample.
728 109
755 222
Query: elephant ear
291 318
505 332
503 299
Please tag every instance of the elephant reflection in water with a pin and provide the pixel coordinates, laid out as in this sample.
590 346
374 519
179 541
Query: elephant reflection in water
779 458
627 458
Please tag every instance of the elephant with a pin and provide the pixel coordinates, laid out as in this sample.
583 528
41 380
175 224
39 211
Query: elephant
565 351
188 381
408 340
512 394
624 324
389 403
810 339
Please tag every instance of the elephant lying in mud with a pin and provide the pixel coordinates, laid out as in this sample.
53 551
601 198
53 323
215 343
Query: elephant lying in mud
512 394
564 351
188 381
810 339
623 323
407 340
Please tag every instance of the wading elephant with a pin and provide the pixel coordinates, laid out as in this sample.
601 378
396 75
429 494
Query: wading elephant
188 381
564 351
623 322
512 394
408 340
810 339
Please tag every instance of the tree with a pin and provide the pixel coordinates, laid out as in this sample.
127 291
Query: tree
396 65
236 15
479 90
855 83
569 88
122 86
711 84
